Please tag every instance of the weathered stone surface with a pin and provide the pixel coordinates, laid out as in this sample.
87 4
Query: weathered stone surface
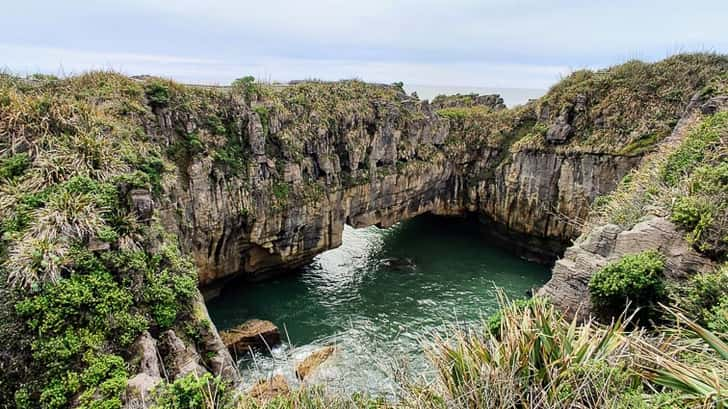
145 350
307 176
266 390
313 361
559 132
568 287
139 387
230 231
180 359
139 390
142 203
218 358
255 334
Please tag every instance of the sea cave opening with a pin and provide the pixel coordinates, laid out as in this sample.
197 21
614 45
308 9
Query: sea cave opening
379 298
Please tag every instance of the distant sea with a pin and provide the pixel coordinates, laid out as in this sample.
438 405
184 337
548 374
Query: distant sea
511 96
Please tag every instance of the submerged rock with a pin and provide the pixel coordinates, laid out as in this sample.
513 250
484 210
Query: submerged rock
266 390
252 334
399 263
313 361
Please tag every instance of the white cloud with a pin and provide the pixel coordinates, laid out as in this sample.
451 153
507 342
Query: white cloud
527 43
68 61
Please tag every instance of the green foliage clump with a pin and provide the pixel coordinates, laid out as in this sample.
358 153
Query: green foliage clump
694 149
246 85
705 298
699 170
635 279
264 115
158 94
281 191
14 165
193 392
76 320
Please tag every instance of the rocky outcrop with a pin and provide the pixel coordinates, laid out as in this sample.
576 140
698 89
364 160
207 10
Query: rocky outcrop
266 390
491 101
140 386
252 334
602 241
568 288
391 159
313 361
537 200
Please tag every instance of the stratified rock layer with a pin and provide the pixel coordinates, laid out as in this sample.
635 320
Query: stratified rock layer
390 161
252 334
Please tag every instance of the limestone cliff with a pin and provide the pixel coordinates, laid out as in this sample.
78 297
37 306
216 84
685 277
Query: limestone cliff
644 213
110 183
267 177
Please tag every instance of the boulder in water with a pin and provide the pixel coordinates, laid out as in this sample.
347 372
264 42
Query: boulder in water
252 334
313 361
399 264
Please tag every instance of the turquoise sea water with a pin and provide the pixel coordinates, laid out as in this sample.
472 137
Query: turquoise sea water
379 298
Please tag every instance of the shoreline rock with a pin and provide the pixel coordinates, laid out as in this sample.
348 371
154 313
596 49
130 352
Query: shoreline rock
312 362
252 334
266 390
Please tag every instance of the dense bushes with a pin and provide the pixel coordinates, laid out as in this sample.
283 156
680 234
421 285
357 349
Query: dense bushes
705 299
635 279
193 392
85 273
94 310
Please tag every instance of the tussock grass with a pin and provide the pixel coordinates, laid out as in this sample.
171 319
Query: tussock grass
537 359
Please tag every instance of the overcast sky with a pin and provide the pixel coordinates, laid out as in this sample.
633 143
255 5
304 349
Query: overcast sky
487 43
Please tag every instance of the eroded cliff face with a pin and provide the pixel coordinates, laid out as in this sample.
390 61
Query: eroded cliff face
638 218
266 178
377 166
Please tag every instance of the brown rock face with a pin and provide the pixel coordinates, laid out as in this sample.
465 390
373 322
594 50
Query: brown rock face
269 389
538 198
255 334
313 361
568 288
380 165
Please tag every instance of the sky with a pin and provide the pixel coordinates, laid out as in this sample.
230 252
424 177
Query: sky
465 43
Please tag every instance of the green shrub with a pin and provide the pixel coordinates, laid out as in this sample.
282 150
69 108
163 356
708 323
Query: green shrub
702 211
171 281
246 85
635 279
193 392
14 166
692 151
704 298
76 319
158 94
264 115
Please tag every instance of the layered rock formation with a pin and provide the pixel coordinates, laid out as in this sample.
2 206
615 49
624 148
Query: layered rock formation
604 241
267 178
377 162
568 288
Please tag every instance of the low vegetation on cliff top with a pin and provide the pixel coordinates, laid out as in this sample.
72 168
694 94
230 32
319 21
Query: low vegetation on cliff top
85 271
622 110
687 182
